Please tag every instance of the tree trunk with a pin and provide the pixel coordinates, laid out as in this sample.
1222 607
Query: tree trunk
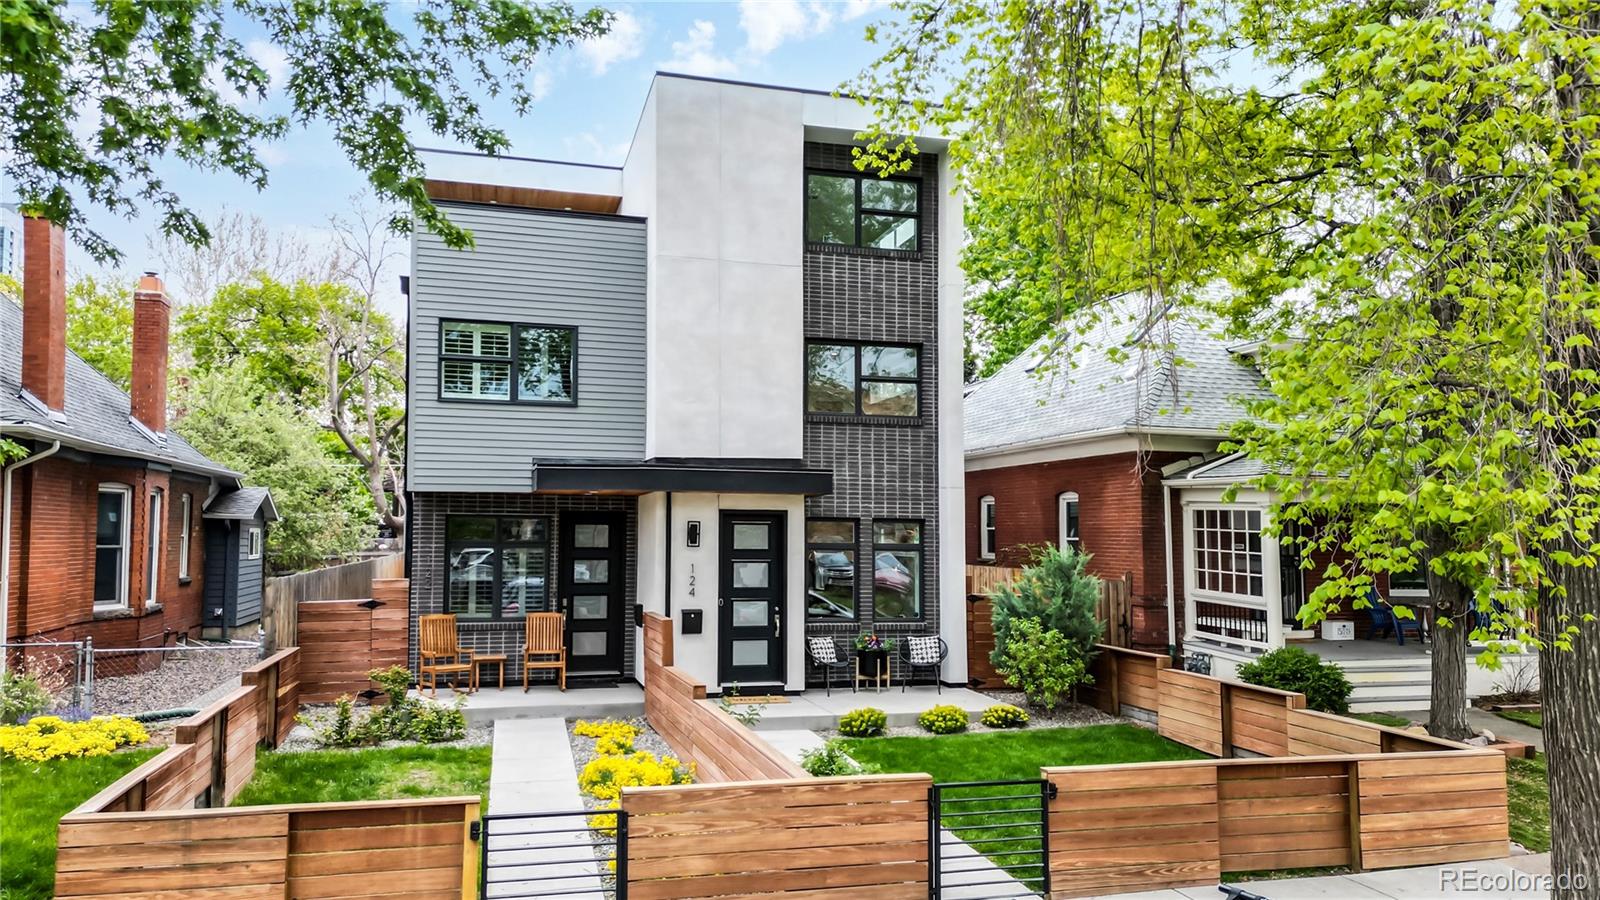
1570 686
1447 695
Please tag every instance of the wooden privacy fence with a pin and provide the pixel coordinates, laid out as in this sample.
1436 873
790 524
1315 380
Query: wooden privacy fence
719 745
1114 609
281 597
414 848
342 640
841 837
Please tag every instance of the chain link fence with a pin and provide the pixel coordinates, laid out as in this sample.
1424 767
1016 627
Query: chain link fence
84 679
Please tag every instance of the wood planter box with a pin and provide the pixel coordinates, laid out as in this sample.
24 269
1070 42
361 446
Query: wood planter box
1514 749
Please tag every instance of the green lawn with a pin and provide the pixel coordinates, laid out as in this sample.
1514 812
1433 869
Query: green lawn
1531 717
33 798
995 755
1529 802
330 776
994 826
1388 719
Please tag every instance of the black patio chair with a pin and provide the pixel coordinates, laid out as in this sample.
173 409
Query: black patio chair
824 651
923 652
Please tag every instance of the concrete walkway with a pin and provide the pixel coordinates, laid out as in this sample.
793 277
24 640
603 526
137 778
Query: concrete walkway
533 772
1501 879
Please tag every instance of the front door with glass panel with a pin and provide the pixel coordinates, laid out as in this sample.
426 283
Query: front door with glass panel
593 575
750 607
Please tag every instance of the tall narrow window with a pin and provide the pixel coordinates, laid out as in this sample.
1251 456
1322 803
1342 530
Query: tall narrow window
1067 520
896 570
831 561
252 546
153 549
986 530
111 545
183 536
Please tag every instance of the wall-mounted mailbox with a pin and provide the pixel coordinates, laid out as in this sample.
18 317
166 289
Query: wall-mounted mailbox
693 621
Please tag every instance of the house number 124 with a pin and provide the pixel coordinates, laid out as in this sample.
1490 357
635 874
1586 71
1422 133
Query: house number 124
691 579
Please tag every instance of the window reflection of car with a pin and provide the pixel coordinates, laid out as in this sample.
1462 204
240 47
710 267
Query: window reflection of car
889 573
524 593
821 606
473 564
831 568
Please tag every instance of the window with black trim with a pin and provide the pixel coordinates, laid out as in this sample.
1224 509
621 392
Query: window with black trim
498 567
896 569
507 363
831 568
862 210
863 379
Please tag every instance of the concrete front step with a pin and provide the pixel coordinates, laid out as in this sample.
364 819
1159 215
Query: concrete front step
1407 703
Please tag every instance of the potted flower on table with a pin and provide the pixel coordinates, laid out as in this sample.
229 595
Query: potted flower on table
872 654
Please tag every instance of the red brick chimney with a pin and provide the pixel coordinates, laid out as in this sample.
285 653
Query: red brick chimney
151 317
44 311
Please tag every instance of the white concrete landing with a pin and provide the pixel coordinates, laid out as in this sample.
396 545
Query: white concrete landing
533 772
492 704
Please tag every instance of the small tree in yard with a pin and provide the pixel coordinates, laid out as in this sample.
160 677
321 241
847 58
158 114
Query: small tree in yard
1043 664
1056 591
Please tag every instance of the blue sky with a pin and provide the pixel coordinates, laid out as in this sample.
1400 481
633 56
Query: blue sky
590 101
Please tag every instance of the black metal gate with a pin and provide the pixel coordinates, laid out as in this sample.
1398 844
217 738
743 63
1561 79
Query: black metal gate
579 853
989 839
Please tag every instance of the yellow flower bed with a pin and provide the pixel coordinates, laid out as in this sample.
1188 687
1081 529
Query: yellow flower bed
51 737
606 776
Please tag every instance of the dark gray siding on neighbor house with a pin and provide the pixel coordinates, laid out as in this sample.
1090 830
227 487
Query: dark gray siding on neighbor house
221 566
882 469
247 602
529 267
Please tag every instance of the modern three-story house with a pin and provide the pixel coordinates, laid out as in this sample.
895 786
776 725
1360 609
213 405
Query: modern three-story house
721 382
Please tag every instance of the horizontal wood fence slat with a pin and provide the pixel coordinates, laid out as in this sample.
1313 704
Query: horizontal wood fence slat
720 746
856 836
281 597
1114 608
342 640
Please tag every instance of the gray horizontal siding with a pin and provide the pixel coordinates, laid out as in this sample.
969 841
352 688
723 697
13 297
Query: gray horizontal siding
537 268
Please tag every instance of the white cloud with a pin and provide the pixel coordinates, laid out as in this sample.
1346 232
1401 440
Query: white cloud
769 24
855 9
697 54
623 42
542 82
270 57
587 147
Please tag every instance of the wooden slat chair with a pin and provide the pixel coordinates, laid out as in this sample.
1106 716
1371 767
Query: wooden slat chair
440 653
545 636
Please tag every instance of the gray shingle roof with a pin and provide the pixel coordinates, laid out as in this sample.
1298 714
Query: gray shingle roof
97 410
1233 469
241 504
1113 374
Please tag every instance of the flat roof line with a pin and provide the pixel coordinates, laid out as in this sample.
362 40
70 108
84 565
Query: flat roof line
536 159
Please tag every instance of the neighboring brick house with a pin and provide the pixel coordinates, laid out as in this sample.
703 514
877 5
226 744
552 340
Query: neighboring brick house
1077 446
721 382
105 481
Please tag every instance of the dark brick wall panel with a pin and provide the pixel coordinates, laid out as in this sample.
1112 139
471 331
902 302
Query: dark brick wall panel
881 469
428 569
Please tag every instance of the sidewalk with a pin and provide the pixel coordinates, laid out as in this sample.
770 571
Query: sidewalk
1501 879
533 772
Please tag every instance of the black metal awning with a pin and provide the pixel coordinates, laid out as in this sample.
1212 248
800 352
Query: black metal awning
728 476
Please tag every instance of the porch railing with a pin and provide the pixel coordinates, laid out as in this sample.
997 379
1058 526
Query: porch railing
1232 623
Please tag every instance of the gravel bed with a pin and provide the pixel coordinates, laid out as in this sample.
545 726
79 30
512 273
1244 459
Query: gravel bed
303 738
185 679
1072 715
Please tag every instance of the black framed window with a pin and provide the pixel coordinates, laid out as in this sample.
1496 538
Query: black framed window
506 363
896 569
863 379
831 567
497 567
862 210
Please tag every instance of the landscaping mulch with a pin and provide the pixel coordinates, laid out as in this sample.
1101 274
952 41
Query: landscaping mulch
303 738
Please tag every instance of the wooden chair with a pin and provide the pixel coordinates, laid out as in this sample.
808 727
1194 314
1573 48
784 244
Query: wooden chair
440 653
545 636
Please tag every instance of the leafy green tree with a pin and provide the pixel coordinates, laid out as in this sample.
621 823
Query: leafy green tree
100 326
177 80
232 418
273 330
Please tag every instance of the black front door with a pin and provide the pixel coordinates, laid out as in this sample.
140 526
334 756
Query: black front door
593 575
751 602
